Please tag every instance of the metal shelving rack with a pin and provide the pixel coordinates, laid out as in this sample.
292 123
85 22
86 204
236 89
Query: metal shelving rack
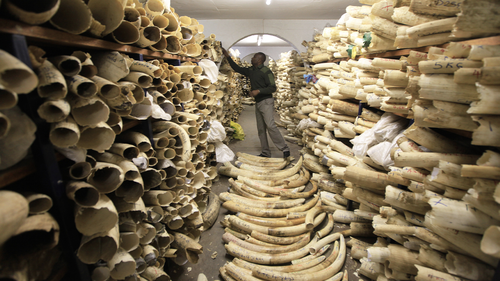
14 38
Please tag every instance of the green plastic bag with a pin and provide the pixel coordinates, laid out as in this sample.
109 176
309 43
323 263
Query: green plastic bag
238 131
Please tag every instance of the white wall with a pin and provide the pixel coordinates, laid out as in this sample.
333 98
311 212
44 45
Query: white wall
293 31
273 52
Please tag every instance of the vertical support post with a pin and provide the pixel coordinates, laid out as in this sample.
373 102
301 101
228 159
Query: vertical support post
48 171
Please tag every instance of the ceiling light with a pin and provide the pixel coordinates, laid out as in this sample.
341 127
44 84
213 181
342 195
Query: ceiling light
268 2
259 40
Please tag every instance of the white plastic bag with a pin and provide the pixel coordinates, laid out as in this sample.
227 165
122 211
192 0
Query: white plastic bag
381 153
210 69
223 153
216 132
307 123
216 135
386 129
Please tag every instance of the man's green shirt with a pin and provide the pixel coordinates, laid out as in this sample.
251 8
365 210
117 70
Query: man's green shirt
261 78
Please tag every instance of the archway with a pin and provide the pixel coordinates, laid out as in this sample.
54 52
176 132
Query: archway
271 44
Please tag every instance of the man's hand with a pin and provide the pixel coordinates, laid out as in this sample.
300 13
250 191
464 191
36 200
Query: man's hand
254 93
225 53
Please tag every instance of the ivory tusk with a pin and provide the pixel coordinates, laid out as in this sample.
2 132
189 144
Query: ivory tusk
274 239
228 237
289 194
279 204
99 218
235 172
322 274
311 214
287 268
458 215
428 274
365 178
344 216
65 133
17 207
38 203
121 265
465 242
99 137
51 83
276 231
235 207
487 172
99 246
106 177
327 229
192 248
467 267
84 194
486 206
433 141
324 241
262 258
489 243
42 226
212 211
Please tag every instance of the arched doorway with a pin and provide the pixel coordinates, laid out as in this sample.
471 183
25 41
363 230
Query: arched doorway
270 44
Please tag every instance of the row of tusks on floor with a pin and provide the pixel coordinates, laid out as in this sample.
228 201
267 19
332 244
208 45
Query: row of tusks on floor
274 223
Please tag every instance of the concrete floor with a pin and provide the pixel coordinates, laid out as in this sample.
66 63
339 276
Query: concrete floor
214 254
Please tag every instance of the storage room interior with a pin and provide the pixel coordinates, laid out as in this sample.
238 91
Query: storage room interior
129 146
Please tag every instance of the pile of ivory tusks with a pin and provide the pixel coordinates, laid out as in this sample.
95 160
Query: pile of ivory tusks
273 235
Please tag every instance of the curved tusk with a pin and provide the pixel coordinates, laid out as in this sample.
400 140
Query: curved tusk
212 212
261 187
311 214
240 273
257 158
250 167
268 213
231 171
263 164
272 222
278 204
327 229
276 240
245 189
307 194
262 258
276 231
323 274
228 237
283 181
286 268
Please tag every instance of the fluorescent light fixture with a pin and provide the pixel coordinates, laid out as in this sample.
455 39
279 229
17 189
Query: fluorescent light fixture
259 40
268 2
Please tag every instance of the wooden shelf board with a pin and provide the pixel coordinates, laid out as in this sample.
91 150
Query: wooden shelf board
57 37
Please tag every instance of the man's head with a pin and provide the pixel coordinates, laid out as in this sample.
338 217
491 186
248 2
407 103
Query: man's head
258 59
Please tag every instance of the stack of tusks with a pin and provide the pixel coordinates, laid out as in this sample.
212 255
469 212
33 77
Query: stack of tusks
274 223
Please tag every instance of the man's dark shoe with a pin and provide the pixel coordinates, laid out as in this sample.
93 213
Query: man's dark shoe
286 154
262 155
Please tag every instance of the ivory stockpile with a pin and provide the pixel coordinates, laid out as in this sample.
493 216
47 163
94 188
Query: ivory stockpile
138 200
141 200
430 191
281 229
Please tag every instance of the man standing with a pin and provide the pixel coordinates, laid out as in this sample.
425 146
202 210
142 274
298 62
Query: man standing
262 89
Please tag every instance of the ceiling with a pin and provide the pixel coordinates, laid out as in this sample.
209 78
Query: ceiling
257 9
